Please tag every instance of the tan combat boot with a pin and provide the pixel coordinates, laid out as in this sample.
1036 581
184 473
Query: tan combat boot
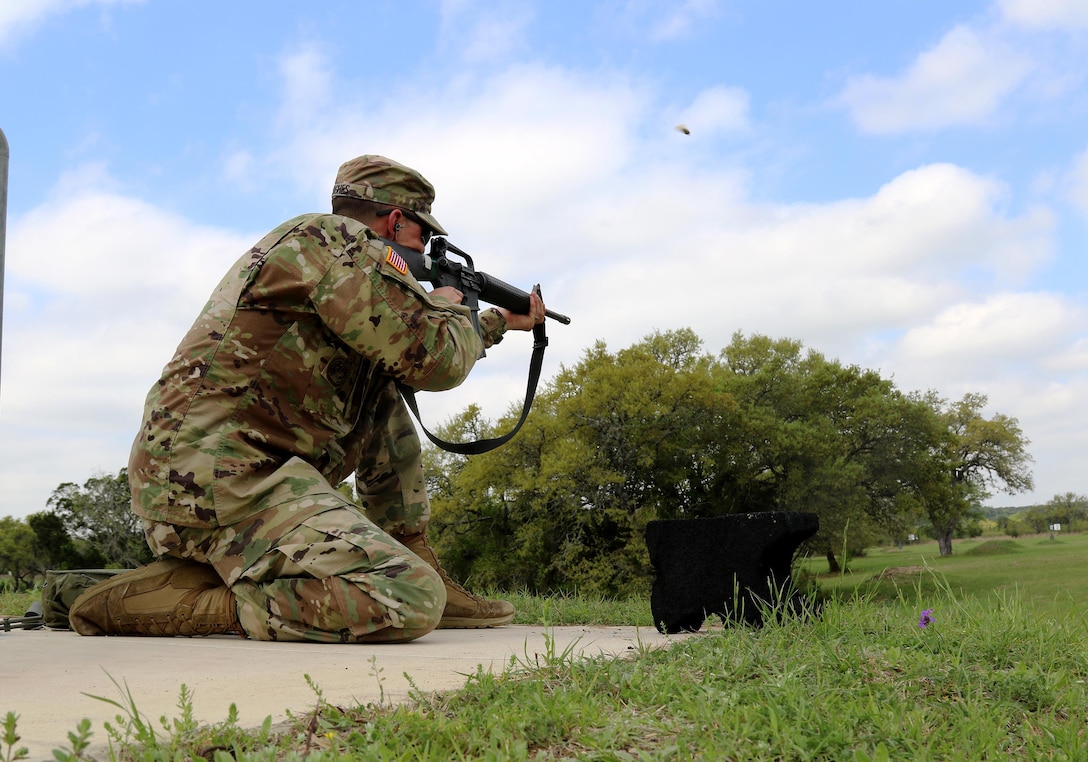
463 609
167 597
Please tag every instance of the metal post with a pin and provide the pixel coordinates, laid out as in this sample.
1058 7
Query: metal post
4 154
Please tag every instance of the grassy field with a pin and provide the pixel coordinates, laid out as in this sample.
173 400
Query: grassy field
999 671
1050 575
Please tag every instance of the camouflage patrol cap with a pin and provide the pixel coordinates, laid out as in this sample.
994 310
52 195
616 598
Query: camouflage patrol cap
376 178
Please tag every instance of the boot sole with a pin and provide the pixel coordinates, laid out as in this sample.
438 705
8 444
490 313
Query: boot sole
471 623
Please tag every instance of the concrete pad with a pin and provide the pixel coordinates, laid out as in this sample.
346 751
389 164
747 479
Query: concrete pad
46 675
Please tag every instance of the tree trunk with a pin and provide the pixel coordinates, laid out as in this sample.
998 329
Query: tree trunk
944 541
832 563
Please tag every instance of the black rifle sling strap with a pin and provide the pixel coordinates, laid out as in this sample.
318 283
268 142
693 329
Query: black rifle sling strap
540 341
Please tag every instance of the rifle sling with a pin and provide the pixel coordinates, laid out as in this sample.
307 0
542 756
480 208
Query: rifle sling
540 341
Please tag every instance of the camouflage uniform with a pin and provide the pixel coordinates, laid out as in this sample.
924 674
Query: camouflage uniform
283 387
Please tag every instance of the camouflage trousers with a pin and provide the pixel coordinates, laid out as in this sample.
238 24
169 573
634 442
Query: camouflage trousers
314 569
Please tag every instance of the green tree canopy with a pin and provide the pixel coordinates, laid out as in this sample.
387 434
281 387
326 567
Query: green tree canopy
17 550
54 547
664 430
1061 509
811 434
1068 508
977 455
100 513
613 442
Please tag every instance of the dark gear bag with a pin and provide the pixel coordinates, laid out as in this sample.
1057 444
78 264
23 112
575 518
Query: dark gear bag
62 587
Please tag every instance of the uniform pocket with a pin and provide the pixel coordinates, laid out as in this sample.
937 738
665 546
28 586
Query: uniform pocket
331 397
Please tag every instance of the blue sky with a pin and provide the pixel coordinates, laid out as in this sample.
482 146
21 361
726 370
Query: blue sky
899 185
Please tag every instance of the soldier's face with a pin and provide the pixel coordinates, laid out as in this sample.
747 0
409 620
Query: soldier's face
424 232
411 232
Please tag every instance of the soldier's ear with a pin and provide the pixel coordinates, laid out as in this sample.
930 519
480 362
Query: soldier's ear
390 223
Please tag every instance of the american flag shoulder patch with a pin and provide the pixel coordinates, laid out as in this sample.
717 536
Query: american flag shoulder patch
396 260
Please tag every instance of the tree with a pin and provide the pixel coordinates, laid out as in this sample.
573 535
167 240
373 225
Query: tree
1066 509
811 434
978 454
30 548
17 551
663 430
613 442
54 548
100 513
1037 518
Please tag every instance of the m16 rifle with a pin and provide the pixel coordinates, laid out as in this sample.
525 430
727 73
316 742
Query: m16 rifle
439 270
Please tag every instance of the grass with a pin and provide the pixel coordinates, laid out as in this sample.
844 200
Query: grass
1001 672
562 610
1049 574
16 604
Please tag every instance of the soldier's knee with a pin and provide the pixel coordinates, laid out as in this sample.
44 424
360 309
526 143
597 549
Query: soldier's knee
421 599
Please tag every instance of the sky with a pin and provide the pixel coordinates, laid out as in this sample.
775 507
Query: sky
900 185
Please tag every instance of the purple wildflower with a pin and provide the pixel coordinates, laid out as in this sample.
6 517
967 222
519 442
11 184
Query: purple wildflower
927 618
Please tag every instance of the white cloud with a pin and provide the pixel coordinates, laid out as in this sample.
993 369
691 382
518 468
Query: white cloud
99 287
581 200
237 168
1073 359
307 85
478 32
677 19
536 129
963 80
1077 183
19 16
1046 14
929 225
1025 352
717 110
1004 327
103 247
656 21
830 274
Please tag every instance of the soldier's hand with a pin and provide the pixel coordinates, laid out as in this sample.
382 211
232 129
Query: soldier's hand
535 316
448 292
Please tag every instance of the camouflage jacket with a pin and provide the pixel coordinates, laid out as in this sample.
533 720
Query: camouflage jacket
290 369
